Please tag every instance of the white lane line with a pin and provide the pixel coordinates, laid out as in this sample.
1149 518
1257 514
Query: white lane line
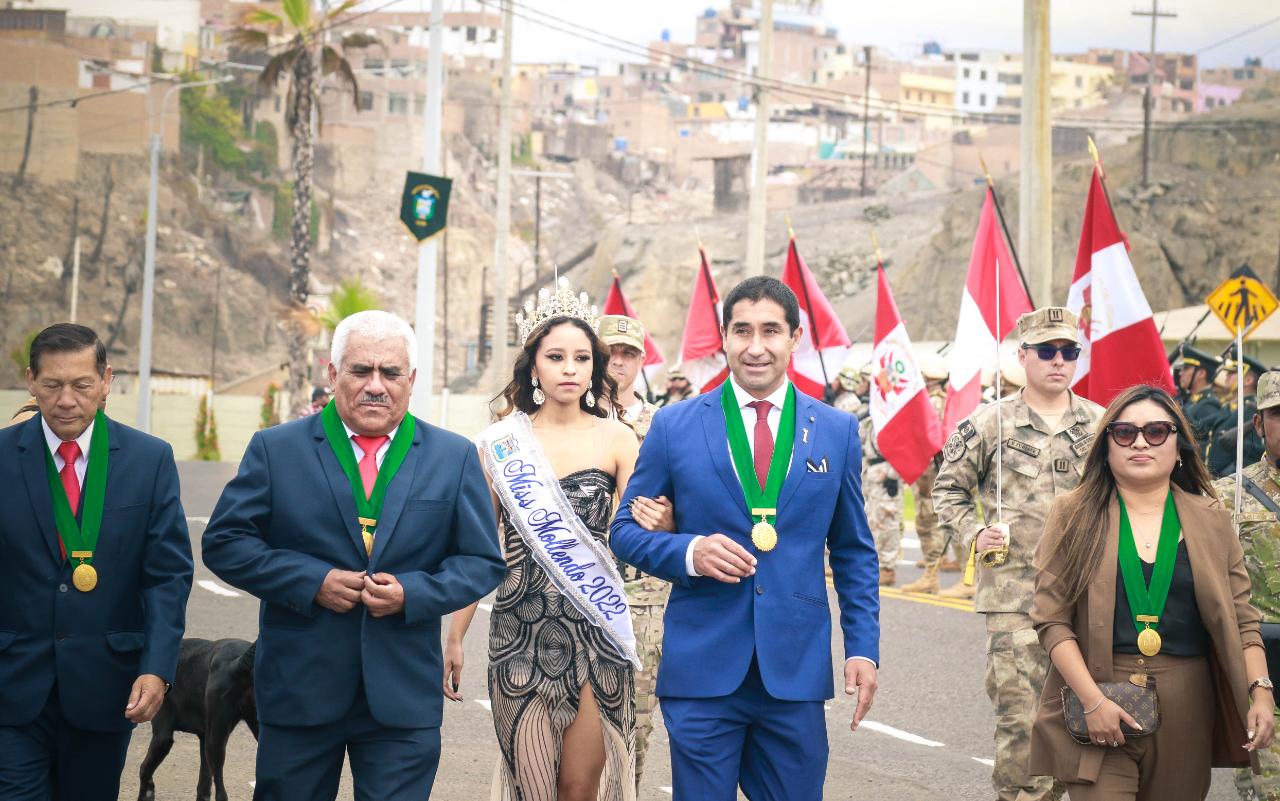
488 705
907 562
900 734
991 763
486 607
667 790
907 542
201 520
217 589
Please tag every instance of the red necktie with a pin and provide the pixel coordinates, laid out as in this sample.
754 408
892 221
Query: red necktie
69 451
369 462
763 438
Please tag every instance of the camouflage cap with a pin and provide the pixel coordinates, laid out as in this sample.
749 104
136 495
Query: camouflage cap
1269 390
1048 324
848 378
677 373
616 329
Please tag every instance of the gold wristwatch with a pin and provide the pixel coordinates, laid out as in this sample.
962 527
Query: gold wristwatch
1264 683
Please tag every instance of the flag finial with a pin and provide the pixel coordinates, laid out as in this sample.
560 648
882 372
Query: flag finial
875 245
791 234
985 172
697 234
1097 159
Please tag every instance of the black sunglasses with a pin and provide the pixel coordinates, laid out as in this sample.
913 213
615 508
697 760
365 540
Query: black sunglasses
1046 352
1155 433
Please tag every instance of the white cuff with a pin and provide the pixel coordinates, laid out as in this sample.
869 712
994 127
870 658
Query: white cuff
688 557
863 658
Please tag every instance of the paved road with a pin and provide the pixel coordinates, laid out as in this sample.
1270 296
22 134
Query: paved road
927 738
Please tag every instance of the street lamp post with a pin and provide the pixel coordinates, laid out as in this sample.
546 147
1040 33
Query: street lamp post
149 263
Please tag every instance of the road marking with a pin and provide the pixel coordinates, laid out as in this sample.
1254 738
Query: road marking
204 521
910 542
899 733
217 589
486 607
907 562
991 763
667 790
488 705
959 604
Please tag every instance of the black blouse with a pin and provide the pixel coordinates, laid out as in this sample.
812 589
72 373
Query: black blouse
1182 633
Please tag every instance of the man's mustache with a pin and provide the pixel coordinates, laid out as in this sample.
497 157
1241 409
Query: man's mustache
368 398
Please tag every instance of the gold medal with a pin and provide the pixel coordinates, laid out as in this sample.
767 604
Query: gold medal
84 577
366 534
1148 638
764 536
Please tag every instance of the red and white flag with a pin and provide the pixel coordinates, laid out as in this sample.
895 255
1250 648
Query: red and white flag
702 348
981 324
617 303
905 424
824 345
1120 344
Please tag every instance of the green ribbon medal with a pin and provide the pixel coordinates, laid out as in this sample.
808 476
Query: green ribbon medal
367 509
1146 602
761 501
80 540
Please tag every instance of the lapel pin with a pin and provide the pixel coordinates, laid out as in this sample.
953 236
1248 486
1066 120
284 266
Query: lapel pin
810 419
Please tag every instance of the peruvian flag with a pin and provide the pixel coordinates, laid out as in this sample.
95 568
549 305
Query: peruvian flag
1120 344
617 303
982 324
905 424
825 342
702 348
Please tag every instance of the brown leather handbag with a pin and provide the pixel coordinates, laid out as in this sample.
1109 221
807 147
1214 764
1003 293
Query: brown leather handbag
1137 696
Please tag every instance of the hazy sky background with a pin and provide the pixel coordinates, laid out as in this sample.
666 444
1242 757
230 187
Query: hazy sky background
901 26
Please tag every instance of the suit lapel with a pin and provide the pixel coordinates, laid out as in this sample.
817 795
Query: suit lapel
338 485
713 426
397 493
1101 597
1197 524
801 449
36 477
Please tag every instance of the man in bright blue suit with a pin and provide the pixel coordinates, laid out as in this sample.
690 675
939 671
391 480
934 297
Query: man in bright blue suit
95 562
358 528
763 479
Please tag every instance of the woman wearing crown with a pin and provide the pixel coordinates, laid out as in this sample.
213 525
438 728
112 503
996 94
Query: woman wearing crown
561 649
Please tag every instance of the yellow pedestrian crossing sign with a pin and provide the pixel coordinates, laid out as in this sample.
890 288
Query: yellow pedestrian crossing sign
1242 302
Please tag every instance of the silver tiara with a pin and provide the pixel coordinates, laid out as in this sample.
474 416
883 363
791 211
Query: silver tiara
563 303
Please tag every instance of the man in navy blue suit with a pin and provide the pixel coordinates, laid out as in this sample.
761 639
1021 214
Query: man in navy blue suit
763 479
358 528
95 562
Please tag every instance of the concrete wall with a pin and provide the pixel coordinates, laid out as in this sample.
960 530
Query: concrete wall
173 418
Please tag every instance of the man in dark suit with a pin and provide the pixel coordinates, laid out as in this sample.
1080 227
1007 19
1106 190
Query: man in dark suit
358 527
763 480
95 569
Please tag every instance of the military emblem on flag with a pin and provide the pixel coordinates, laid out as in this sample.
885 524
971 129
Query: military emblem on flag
424 204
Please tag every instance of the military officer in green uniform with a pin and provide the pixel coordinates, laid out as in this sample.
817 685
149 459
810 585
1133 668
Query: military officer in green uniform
1222 444
1259 526
1200 405
1043 433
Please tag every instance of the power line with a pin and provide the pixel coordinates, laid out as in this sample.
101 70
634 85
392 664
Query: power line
1239 34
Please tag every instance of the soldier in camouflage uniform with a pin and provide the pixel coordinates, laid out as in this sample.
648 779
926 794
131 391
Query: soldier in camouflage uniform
646 595
882 494
1044 433
851 388
1260 535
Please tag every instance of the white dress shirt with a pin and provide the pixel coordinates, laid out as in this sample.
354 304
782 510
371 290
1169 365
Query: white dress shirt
382 452
778 397
53 441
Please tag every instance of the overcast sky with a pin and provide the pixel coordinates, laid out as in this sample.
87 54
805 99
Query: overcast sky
902 26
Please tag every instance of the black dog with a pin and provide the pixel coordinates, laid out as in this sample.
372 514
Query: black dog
212 692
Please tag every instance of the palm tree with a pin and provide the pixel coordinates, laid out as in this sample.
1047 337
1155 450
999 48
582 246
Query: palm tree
348 297
306 51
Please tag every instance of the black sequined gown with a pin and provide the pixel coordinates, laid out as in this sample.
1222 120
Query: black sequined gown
542 651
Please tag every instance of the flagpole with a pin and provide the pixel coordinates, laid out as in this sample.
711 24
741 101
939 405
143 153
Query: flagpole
617 280
1239 415
999 408
808 305
1004 226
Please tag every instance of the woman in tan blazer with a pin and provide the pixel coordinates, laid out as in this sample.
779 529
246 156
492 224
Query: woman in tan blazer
1210 671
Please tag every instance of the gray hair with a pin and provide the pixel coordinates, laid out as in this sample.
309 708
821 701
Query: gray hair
376 325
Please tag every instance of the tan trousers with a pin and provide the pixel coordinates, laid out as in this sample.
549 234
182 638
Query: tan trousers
1174 764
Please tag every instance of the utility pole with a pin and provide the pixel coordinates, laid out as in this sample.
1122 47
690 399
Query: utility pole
1149 98
424 318
760 150
75 277
537 176
866 119
503 224
1035 190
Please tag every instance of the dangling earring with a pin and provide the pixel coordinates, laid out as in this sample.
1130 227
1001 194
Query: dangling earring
591 397
539 397
1179 461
